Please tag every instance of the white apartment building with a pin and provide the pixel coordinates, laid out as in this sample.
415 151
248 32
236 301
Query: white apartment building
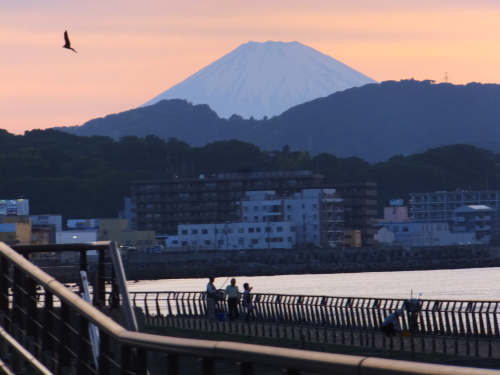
317 214
420 234
234 236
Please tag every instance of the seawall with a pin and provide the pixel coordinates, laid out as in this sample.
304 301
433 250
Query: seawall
194 264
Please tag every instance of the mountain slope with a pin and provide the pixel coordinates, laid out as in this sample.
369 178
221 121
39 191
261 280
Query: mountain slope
265 79
373 122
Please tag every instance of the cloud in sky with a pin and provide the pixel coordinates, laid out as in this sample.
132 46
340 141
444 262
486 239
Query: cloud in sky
131 51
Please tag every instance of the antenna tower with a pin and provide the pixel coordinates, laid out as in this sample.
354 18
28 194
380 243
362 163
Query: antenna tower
445 77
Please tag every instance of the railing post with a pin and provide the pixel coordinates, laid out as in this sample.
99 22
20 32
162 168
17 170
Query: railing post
99 287
83 267
104 353
64 353
173 364
208 366
4 292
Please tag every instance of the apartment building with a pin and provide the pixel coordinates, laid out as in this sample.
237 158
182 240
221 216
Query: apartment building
162 205
318 214
235 236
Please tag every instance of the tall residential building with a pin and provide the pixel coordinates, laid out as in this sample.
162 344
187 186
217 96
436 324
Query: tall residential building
318 214
162 205
440 205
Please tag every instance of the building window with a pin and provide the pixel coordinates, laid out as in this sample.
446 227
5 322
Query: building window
255 218
405 229
289 206
207 243
290 239
256 208
184 243
204 231
245 208
314 206
268 229
257 229
251 230
194 231
292 229
241 241
184 231
245 218
175 242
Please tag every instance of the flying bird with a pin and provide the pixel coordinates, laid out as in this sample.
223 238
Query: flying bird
67 42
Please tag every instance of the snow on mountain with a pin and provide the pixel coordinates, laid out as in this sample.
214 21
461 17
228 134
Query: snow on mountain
265 79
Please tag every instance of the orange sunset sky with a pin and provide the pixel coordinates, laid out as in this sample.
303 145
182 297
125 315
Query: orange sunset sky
130 51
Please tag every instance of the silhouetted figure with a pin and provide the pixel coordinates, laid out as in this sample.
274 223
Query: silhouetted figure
67 42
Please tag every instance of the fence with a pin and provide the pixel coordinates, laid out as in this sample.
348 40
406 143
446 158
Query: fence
59 339
436 317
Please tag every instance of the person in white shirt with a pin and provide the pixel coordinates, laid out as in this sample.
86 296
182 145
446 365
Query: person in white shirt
233 297
211 295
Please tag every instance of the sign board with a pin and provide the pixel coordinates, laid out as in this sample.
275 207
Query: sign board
396 202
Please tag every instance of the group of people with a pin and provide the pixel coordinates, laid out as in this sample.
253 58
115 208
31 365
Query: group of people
233 295
390 326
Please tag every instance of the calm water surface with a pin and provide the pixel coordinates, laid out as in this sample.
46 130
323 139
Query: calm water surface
463 284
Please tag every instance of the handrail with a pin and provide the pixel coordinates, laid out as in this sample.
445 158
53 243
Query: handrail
40 368
247 354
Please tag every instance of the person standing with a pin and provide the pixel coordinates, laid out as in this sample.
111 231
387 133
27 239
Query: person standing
233 296
211 295
247 301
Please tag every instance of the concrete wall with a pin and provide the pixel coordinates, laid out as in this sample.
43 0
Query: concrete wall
282 262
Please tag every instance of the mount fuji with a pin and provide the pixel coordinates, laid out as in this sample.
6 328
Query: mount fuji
265 79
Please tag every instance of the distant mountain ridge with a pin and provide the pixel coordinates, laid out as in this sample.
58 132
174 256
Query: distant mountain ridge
265 79
373 122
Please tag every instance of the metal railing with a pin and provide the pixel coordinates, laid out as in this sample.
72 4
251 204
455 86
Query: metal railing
436 317
59 338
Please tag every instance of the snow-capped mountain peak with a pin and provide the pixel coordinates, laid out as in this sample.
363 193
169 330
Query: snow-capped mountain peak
265 79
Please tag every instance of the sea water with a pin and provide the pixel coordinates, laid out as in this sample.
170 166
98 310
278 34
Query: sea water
460 284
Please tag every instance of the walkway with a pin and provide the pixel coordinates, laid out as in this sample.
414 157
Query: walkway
460 346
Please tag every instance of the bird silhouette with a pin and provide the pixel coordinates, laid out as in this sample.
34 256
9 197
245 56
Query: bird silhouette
67 43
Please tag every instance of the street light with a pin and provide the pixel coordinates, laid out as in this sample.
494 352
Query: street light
75 237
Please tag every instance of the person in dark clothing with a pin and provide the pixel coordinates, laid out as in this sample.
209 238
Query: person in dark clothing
247 301
211 295
390 325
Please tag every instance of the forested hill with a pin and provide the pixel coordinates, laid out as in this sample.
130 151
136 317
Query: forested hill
373 122
88 177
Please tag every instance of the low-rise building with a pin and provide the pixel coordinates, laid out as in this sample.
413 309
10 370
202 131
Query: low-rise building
118 230
478 219
15 230
419 234
352 238
233 236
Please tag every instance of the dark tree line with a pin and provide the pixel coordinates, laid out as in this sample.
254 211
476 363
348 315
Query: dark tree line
85 177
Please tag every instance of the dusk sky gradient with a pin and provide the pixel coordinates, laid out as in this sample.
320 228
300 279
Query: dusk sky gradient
130 51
